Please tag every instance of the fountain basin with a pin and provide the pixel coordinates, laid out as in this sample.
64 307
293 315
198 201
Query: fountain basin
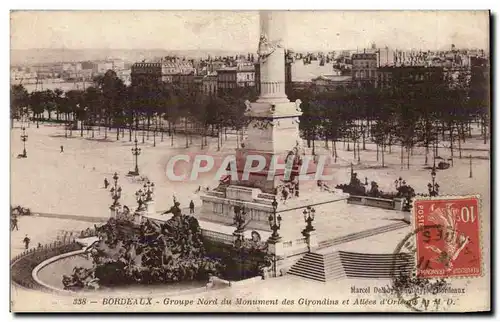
50 273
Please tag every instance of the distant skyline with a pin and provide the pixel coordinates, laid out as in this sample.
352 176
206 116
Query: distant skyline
239 30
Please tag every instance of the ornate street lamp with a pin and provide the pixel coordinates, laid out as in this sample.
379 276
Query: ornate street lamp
136 151
470 165
24 138
239 220
308 213
398 183
140 196
274 223
149 188
116 191
434 186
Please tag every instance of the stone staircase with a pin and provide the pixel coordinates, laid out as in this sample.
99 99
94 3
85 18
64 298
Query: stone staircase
358 265
319 267
339 264
361 234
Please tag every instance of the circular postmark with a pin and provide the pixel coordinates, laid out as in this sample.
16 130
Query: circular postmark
418 293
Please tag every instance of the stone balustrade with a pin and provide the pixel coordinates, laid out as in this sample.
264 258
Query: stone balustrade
392 204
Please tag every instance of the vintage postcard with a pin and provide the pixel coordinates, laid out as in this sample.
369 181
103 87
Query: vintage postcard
250 161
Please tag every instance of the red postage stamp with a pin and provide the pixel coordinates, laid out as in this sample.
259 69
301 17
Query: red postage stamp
448 238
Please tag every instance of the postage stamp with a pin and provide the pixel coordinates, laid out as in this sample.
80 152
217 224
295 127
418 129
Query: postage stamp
449 245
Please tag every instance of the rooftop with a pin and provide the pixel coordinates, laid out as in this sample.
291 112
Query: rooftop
333 78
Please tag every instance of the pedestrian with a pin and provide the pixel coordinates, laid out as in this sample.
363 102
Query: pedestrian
39 245
26 242
106 183
191 207
14 223
62 149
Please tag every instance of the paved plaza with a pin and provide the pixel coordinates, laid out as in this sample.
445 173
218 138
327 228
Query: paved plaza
71 183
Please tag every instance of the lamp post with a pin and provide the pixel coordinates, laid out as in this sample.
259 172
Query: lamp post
239 220
398 183
274 223
470 165
309 214
149 188
136 151
140 196
24 138
116 192
434 186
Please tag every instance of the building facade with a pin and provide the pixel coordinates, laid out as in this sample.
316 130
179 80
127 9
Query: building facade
233 77
171 68
180 73
209 84
326 83
100 68
145 73
408 75
364 68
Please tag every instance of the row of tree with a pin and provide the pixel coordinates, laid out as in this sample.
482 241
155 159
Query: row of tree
111 104
429 113
403 113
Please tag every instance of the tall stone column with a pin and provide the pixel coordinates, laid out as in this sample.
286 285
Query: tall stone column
272 57
273 130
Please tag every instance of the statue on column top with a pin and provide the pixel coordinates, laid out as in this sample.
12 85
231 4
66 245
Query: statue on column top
266 47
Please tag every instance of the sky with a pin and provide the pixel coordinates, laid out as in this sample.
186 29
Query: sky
239 30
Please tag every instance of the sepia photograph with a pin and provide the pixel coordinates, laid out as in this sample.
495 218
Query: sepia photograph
250 161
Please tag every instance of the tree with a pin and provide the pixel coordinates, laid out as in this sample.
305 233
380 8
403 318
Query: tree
310 121
172 108
199 109
58 96
19 99
217 116
74 105
112 89
479 93
383 127
333 125
49 102
92 99
36 104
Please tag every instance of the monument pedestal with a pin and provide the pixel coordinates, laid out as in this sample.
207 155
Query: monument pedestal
312 240
113 211
138 217
218 205
273 136
150 207
276 248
